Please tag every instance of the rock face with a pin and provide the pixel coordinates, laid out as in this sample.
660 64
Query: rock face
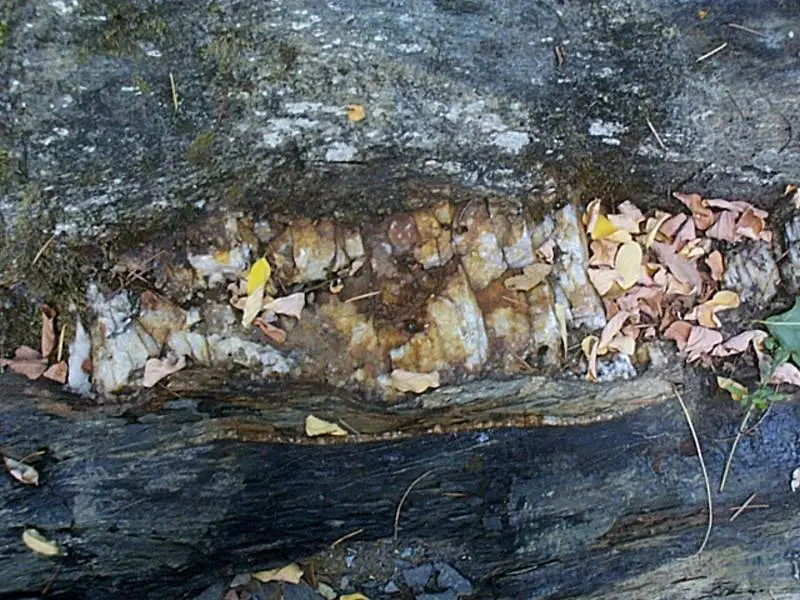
130 113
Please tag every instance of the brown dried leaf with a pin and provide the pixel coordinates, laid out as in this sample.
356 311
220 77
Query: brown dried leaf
409 381
612 328
786 373
628 218
546 252
602 279
702 341
724 228
673 225
751 225
156 369
623 344
739 343
532 275
48 342
276 334
716 265
678 331
683 270
57 372
703 216
653 227
603 253
27 362
687 233
291 305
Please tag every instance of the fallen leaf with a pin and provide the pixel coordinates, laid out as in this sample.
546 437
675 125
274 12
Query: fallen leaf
706 313
602 279
356 113
316 426
653 229
408 381
253 305
628 218
701 341
22 472
291 573
590 345
786 373
258 275
612 328
739 343
546 251
624 344
38 543
355 596
752 225
716 265
703 216
603 253
682 269
532 275
57 372
734 388
274 333
687 233
156 369
48 342
673 225
785 328
678 332
628 264
599 227
724 228
27 362
291 306
561 317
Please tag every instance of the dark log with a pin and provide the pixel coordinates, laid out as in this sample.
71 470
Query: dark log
156 504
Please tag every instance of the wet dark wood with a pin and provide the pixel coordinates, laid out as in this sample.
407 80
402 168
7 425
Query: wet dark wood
153 504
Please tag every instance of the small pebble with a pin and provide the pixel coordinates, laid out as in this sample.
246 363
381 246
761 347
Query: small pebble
417 577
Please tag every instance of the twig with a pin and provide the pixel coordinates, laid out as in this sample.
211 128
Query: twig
513 301
711 53
174 91
747 29
41 251
736 105
60 353
346 536
702 467
348 426
655 133
519 359
738 437
742 508
49 584
403 499
362 296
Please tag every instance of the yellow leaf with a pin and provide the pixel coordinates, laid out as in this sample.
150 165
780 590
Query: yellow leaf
588 343
258 275
291 573
316 426
355 596
356 113
653 232
38 543
734 388
408 381
628 264
724 299
561 317
602 228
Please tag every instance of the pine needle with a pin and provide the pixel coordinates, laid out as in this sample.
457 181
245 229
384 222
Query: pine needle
403 500
702 467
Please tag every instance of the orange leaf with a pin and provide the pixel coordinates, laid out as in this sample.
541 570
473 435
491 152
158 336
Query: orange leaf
48 342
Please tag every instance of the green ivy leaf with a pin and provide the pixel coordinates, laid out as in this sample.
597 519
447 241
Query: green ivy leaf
785 328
